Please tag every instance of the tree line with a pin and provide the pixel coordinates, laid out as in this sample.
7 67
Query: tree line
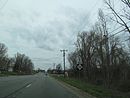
20 63
105 58
56 70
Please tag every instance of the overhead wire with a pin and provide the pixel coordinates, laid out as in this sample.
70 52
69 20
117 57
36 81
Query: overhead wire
83 25
4 5
118 28
117 33
121 31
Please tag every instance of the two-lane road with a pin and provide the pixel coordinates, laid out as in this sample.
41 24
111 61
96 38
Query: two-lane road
32 86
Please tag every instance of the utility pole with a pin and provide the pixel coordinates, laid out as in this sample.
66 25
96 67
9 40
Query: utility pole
54 66
64 51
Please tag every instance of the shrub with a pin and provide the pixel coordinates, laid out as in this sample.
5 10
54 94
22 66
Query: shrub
124 86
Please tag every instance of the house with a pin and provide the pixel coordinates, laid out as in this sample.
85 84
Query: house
10 69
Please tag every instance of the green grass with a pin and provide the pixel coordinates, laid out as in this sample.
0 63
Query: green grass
2 74
7 74
94 90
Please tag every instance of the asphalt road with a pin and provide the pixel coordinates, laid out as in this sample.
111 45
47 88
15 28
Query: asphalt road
32 86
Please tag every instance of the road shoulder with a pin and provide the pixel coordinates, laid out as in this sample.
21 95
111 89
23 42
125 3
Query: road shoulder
74 90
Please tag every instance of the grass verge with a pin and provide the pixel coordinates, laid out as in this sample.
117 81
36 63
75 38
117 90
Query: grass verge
7 74
94 90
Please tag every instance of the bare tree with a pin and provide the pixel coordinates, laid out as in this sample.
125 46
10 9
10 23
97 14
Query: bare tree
3 56
3 50
23 64
59 68
127 2
121 19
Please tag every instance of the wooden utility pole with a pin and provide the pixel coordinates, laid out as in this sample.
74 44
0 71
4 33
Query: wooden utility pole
64 51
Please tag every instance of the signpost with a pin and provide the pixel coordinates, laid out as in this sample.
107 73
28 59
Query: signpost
79 68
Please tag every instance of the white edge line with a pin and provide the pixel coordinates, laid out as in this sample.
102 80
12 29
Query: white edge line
28 85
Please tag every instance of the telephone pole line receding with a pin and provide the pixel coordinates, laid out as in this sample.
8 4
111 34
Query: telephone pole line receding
64 51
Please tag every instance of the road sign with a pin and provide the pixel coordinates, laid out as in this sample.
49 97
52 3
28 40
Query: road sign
79 67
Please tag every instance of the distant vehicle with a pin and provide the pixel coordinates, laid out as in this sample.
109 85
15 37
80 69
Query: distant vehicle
46 74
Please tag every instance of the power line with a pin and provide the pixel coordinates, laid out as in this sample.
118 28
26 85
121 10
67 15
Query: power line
83 25
4 5
126 40
113 34
116 33
118 27
41 59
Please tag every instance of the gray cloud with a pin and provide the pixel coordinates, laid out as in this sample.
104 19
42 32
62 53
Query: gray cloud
41 31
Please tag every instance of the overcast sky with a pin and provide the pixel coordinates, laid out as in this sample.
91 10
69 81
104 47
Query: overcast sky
40 28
